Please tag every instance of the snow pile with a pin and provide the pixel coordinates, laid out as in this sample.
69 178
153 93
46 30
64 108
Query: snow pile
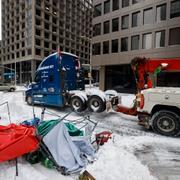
26 172
116 163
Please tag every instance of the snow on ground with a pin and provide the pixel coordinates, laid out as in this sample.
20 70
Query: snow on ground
133 153
117 163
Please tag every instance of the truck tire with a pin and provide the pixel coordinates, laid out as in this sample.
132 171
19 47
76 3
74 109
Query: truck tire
96 104
78 104
11 89
166 123
29 100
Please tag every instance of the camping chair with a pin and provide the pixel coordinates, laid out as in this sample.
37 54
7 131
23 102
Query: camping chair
74 145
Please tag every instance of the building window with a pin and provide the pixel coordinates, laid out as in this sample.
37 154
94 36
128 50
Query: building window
23 53
38 12
53 38
175 9
97 48
120 78
148 16
46 44
168 79
114 46
115 5
38 2
54 46
124 44
174 36
46 53
136 1
125 22
38 32
136 19
97 10
29 51
46 35
38 22
106 6
106 47
97 29
161 13
160 39
38 42
135 42
147 41
17 54
115 24
125 3
106 27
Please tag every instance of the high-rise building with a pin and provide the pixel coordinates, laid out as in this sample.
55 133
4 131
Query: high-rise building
124 29
33 29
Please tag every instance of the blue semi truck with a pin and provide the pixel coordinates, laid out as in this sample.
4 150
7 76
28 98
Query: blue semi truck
59 82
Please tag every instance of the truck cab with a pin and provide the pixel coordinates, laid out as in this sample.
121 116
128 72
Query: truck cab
57 74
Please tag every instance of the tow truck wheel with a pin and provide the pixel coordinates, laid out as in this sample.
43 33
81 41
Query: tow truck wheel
166 123
29 100
77 104
96 104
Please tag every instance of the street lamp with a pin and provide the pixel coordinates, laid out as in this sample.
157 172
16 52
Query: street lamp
90 59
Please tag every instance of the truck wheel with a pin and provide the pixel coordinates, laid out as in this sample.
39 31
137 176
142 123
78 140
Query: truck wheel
29 100
166 123
77 104
11 89
96 104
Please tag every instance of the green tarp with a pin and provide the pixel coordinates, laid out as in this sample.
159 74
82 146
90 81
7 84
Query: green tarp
45 126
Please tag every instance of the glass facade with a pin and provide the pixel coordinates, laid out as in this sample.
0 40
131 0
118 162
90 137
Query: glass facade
114 46
136 1
97 49
160 39
107 6
97 10
125 22
148 16
124 44
136 19
135 42
168 79
147 41
106 27
174 36
120 78
175 9
115 5
115 24
106 47
125 3
161 13
97 29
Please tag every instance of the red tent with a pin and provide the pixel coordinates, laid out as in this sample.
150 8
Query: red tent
16 140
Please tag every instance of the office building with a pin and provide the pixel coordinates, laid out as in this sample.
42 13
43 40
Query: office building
124 29
33 29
